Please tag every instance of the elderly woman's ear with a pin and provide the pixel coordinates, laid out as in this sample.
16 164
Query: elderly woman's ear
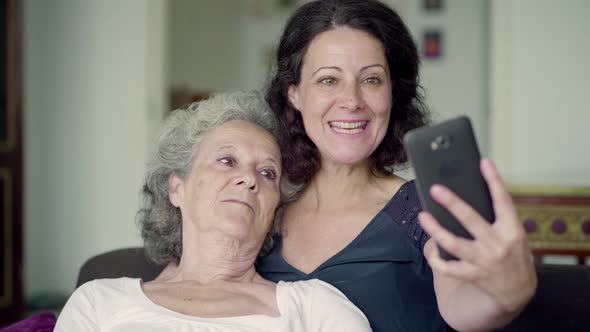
175 185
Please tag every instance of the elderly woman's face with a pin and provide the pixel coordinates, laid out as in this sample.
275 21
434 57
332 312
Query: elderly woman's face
233 185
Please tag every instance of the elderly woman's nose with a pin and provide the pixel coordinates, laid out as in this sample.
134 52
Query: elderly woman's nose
247 179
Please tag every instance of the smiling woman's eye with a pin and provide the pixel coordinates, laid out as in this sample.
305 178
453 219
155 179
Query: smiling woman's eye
227 161
373 80
269 173
327 81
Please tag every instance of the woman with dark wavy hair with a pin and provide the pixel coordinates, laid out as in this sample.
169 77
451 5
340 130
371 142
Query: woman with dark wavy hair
345 92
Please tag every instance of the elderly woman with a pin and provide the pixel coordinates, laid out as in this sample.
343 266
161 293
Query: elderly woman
210 197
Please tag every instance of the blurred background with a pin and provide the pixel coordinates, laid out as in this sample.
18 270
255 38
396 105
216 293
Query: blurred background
86 84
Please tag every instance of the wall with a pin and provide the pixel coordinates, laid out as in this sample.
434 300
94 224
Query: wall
220 45
259 37
539 88
94 92
457 83
203 51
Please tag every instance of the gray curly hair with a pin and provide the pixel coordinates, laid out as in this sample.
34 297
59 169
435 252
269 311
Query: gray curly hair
180 136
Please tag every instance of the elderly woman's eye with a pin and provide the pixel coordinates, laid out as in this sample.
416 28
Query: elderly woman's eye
269 173
227 161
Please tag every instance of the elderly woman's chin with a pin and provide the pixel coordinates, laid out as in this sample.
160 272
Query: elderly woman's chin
240 225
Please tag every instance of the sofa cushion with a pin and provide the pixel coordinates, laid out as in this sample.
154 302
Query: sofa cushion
561 302
38 322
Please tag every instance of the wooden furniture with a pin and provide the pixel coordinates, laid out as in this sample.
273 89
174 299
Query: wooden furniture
556 219
182 97
11 161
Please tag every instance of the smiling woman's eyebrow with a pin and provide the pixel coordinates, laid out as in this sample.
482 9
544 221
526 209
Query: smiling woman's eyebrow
327 67
340 69
372 66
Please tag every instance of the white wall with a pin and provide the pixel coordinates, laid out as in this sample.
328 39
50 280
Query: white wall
220 45
258 40
94 92
540 89
457 83
203 49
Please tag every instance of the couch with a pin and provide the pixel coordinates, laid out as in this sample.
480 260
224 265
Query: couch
561 303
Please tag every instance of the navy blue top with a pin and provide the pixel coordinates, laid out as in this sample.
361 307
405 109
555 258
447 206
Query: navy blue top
382 271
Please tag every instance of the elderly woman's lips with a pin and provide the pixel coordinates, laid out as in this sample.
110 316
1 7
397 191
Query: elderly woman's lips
238 202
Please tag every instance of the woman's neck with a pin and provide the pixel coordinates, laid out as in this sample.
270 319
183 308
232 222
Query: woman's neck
335 184
208 257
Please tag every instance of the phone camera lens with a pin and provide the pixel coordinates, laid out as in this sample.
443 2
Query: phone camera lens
440 142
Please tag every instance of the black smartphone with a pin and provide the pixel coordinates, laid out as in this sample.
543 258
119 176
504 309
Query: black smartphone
447 154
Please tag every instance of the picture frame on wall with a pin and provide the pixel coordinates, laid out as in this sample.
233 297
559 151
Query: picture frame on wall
432 5
432 44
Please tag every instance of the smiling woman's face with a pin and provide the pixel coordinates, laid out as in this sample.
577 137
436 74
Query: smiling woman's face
233 184
344 95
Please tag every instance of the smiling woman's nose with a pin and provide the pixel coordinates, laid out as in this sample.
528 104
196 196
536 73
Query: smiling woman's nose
351 97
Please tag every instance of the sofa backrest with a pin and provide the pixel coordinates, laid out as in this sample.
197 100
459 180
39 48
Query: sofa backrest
561 303
127 262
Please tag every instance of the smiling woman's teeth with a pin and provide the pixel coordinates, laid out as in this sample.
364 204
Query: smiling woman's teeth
347 131
348 127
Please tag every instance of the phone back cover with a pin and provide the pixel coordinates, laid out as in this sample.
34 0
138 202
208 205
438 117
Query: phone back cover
456 167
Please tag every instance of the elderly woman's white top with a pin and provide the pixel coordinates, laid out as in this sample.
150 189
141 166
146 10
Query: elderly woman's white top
121 305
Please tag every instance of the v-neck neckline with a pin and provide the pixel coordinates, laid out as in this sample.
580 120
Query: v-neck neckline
331 259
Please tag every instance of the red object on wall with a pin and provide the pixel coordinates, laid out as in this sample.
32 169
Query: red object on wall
432 44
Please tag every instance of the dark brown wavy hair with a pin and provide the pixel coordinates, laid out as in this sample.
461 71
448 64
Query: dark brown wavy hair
300 155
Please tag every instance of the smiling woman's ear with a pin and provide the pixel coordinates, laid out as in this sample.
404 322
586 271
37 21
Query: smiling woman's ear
175 189
293 95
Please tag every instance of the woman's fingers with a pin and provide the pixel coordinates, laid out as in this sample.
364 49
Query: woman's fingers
498 260
506 215
500 196
457 246
461 269
475 224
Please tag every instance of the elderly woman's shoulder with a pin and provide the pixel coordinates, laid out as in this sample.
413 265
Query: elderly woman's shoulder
101 289
324 307
116 284
95 301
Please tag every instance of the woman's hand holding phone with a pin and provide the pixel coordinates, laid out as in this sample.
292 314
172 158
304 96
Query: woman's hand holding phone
497 260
